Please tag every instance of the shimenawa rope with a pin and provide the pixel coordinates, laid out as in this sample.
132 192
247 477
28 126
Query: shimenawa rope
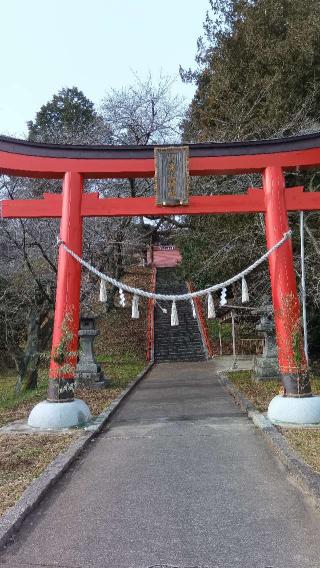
175 297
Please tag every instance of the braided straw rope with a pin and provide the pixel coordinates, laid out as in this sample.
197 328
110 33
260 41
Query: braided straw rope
173 297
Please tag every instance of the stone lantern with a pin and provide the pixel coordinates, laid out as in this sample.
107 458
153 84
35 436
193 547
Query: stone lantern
267 367
88 372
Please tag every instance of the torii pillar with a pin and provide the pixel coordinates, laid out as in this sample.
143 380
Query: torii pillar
285 298
296 405
54 413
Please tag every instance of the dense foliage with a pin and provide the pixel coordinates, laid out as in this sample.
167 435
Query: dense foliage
257 76
69 117
258 70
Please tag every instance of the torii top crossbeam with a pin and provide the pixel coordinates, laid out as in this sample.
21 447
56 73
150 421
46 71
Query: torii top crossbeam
23 158
74 163
32 159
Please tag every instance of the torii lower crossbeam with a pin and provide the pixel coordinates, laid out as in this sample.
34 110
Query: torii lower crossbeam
94 206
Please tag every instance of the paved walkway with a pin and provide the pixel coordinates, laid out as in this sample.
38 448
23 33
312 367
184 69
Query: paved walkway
181 478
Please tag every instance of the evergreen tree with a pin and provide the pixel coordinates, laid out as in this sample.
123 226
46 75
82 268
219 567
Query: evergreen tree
257 76
258 70
69 117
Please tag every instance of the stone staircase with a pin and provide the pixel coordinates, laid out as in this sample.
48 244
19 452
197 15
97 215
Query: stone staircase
182 342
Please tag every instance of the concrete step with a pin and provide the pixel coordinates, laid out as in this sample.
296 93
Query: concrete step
182 342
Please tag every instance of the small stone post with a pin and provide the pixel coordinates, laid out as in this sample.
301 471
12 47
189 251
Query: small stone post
267 366
89 373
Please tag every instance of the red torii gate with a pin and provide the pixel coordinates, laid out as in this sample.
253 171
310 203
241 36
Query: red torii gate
74 163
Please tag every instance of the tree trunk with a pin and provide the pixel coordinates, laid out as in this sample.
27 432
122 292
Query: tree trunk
110 299
119 272
27 360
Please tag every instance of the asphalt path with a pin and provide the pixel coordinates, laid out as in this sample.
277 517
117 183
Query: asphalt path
181 478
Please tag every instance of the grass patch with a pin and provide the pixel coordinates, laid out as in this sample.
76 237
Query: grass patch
7 382
23 457
123 359
259 393
306 441
16 407
120 371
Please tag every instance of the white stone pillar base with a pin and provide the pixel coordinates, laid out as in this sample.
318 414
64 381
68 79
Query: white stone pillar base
294 410
58 415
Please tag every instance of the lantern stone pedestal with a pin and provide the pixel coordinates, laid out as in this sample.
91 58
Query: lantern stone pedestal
267 366
88 372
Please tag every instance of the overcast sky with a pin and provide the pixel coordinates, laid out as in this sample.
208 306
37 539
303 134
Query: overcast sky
93 44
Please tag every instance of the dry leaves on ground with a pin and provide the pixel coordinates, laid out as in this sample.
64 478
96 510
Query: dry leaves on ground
19 412
306 442
258 392
98 400
22 458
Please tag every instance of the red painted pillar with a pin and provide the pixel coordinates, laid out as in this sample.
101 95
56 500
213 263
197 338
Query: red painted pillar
66 319
284 288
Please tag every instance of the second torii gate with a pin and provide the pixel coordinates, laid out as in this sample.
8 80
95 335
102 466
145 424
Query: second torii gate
74 163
